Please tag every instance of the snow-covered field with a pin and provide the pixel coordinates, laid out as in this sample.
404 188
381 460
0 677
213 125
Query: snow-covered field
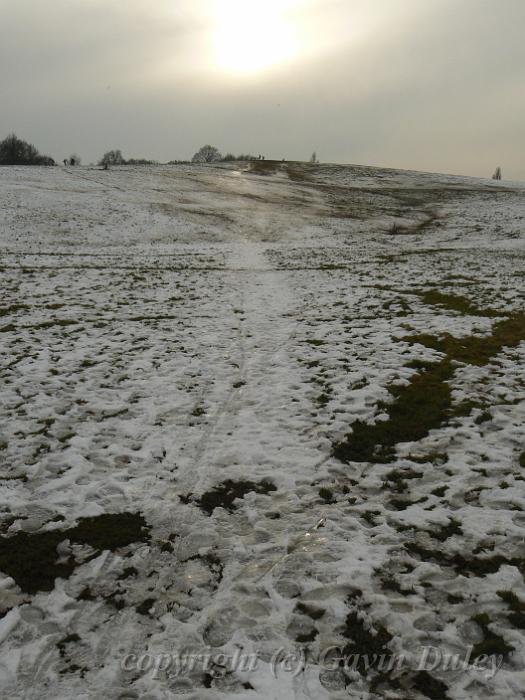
277 413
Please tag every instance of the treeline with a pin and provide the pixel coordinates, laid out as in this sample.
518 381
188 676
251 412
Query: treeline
206 154
211 154
14 151
116 158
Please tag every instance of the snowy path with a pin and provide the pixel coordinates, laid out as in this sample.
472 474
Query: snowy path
192 347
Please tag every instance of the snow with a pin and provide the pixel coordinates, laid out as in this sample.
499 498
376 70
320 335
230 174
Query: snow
168 328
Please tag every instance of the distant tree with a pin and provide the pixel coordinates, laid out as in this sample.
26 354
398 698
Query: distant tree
313 158
74 159
497 174
15 151
207 154
112 158
140 161
229 157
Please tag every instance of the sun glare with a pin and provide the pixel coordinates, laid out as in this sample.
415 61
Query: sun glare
254 35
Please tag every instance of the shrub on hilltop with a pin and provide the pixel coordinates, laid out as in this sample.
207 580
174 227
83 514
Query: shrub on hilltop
15 151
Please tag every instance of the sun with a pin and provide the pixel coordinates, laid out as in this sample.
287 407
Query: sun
252 36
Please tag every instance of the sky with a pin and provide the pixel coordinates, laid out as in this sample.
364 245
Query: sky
434 85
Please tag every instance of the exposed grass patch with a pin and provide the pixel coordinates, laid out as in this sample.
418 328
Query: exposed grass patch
322 400
31 558
62 647
264 167
474 566
397 229
365 641
326 494
61 322
437 458
7 310
396 479
390 583
492 642
483 417
439 492
404 503
465 408
331 266
153 318
85 364
417 409
475 350
517 616
224 495
369 516
310 611
426 403
144 607
452 302
445 531
307 637
429 686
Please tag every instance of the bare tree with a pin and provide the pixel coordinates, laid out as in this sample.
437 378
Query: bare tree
207 154
112 158
74 159
497 174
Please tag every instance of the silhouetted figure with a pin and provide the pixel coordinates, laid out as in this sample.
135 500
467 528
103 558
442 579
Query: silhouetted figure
497 174
65 161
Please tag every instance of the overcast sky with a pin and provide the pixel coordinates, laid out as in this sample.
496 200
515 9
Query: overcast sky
433 85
